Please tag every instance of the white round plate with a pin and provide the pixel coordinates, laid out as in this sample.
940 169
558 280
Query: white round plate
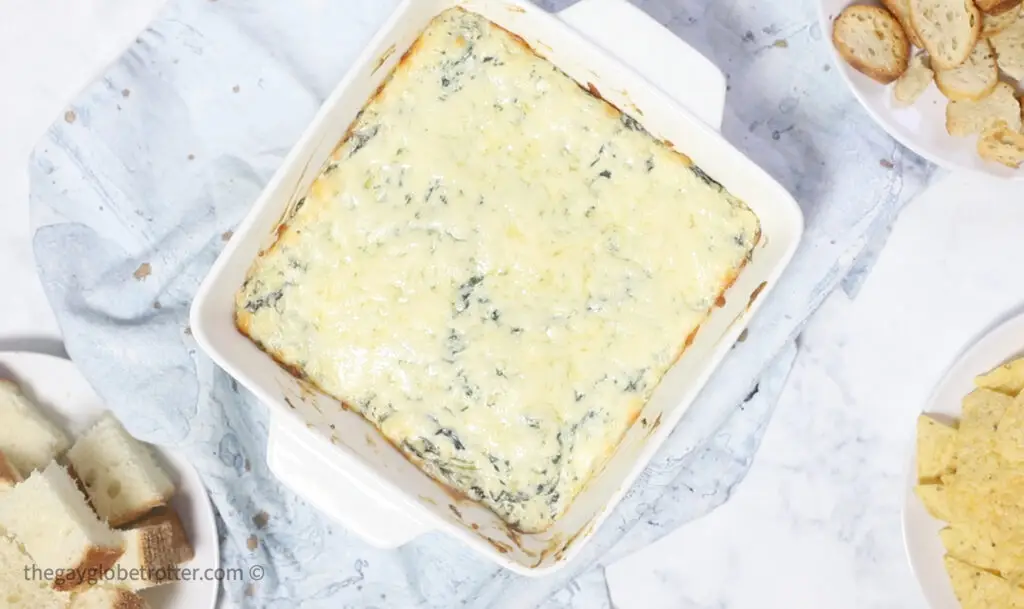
1000 342
922 126
64 394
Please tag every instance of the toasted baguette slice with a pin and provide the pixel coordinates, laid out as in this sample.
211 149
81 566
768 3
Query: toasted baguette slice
122 479
900 9
964 118
20 585
168 516
914 81
993 24
871 40
50 517
28 438
975 79
105 597
9 476
1000 144
1009 46
948 28
997 7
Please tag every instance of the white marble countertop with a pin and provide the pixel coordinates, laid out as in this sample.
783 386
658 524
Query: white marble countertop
50 50
816 522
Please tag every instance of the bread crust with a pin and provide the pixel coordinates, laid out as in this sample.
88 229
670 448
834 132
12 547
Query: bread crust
899 43
993 25
900 9
181 547
9 476
79 484
133 515
997 7
155 546
93 565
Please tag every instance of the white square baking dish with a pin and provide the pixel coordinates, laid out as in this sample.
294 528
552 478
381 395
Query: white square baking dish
336 459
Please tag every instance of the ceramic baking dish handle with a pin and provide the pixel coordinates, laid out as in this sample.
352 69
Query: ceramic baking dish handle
349 498
656 53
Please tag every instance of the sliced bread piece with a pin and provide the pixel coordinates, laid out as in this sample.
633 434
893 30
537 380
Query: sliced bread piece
122 478
965 118
154 547
1009 46
168 516
948 28
51 519
106 597
997 7
914 81
9 475
871 40
148 558
28 438
975 79
993 24
900 9
21 583
1000 144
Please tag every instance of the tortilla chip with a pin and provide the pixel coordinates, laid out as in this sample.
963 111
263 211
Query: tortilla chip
933 496
936 447
969 547
972 492
985 511
983 409
981 493
1008 378
978 589
1010 435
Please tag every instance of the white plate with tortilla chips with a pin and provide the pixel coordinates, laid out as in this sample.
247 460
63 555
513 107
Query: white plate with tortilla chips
968 468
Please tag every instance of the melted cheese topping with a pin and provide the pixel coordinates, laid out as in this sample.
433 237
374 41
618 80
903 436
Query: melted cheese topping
496 268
